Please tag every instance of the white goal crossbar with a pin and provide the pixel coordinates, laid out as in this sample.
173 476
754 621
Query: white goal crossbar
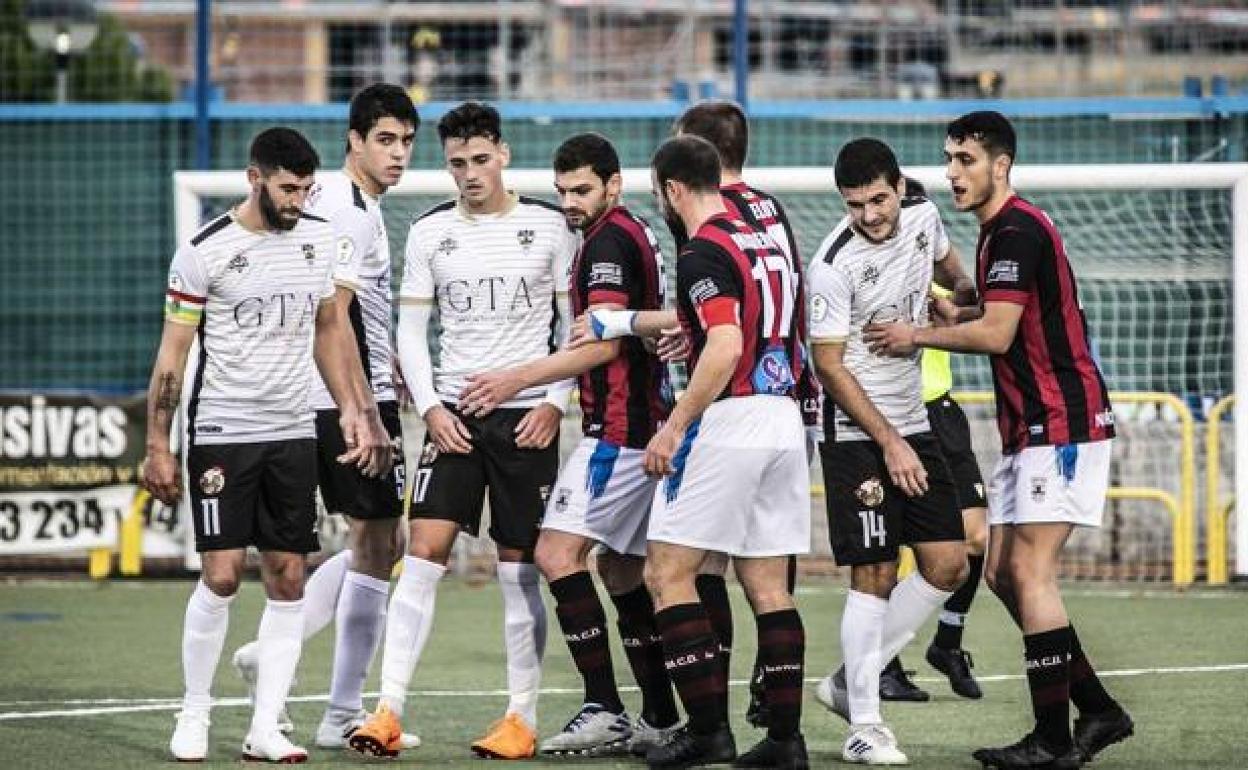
190 187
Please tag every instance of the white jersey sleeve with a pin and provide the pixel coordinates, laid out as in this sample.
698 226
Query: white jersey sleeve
353 237
187 287
831 297
417 283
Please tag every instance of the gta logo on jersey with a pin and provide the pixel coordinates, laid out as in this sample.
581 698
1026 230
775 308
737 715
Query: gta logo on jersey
491 293
282 309
870 492
526 237
773 376
212 481
238 264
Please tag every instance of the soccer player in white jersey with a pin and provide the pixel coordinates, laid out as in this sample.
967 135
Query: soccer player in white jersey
496 265
887 482
254 287
351 587
603 494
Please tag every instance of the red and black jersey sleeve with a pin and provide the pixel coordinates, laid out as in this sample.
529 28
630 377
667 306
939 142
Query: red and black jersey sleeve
604 271
1012 257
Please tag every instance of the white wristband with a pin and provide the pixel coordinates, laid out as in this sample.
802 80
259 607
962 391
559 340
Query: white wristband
610 324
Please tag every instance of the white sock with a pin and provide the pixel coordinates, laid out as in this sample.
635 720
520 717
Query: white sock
203 635
321 592
524 635
862 629
279 643
407 628
359 628
911 603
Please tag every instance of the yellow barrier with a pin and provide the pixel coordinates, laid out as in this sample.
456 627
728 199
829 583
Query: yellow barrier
1215 523
130 540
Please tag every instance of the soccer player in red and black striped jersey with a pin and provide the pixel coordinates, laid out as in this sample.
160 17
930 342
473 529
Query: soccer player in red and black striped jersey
724 124
1056 427
733 453
603 495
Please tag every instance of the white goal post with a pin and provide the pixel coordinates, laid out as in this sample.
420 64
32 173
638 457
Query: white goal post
192 187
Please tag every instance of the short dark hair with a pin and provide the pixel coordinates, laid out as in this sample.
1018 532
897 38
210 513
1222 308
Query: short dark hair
723 124
864 160
589 149
283 148
991 129
690 160
471 119
380 100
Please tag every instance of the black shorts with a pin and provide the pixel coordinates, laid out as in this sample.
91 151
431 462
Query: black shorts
953 433
452 487
344 488
869 518
261 494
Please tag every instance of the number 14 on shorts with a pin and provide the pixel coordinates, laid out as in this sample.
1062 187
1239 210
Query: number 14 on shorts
872 527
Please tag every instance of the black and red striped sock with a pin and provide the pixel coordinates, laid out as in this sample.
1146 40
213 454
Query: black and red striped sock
584 625
713 591
1086 690
1048 677
690 653
782 650
644 647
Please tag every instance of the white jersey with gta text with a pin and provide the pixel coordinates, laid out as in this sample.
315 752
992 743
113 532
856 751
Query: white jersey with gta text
361 264
494 279
254 298
855 282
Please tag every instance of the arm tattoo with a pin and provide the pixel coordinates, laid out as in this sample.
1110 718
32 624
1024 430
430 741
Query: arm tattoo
167 396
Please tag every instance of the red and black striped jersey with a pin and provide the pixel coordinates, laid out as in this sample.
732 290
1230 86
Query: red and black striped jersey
1049 388
764 212
624 400
733 273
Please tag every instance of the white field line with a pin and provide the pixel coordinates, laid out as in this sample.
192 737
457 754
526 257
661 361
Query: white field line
136 705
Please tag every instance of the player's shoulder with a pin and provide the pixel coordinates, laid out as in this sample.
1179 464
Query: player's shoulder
541 211
212 233
313 225
435 214
337 196
1023 220
835 245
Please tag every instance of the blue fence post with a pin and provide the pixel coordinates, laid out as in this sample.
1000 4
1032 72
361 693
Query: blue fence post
741 53
203 84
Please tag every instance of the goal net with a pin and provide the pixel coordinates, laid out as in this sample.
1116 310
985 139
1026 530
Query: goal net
1160 257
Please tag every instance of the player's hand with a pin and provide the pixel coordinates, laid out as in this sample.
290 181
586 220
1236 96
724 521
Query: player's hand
894 339
161 475
401 391
448 433
673 345
581 332
368 444
943 311
485 391
661 449
538 427
905 468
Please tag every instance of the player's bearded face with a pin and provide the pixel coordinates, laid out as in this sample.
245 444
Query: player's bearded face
583 196
283 215
874 209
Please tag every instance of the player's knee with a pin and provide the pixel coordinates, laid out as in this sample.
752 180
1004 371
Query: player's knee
556 561
948 574
660 579
976 540
374 558
222 582
875 579
438 553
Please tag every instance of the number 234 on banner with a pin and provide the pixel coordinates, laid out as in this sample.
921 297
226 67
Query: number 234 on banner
52 521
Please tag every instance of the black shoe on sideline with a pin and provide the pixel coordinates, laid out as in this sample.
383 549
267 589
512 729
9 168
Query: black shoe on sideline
1095 732
1030 752
788 754
895 685
687 749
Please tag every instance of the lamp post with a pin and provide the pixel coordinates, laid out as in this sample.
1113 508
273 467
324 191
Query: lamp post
65 27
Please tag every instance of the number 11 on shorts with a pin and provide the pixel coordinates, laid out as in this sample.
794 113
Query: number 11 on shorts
872 527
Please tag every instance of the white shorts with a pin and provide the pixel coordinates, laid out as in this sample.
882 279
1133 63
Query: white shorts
604 494
1051 484
742 484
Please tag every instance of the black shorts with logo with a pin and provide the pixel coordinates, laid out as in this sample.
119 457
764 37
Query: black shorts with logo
953 433
261 494
344 488
869 518
452 487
